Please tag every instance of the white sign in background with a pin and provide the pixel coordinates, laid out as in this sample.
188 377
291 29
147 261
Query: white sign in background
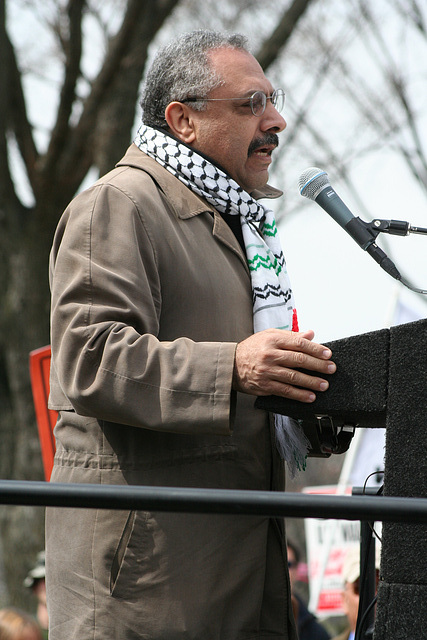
328 541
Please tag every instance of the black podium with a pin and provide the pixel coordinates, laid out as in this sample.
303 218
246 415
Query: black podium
381 380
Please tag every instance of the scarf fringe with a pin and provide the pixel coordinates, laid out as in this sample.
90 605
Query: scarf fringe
292 444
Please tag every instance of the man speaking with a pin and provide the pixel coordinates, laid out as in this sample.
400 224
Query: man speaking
171 310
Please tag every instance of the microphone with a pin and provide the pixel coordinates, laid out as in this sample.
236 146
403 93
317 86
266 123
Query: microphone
314 184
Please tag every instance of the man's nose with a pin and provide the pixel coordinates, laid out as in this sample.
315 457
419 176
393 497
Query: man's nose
272 120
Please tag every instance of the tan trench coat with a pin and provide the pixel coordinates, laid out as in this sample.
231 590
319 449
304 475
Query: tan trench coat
150 294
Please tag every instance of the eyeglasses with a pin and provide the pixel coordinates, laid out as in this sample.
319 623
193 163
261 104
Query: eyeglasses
257 101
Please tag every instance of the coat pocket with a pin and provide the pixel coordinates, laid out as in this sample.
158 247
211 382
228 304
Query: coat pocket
136 565
121 550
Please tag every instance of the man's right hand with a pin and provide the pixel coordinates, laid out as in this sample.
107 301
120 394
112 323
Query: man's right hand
266 363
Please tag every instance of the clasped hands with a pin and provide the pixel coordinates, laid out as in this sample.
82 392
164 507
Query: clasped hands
266 363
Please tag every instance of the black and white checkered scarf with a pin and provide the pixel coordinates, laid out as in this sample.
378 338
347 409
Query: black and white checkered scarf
273 305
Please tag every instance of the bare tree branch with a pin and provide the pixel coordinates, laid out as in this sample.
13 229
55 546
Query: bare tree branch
110 109
411 119
73 51
283 31
13 110
79 153
117 114
417 158
411 10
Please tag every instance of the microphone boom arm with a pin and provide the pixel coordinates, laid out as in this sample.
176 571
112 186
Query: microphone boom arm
314 184
394 227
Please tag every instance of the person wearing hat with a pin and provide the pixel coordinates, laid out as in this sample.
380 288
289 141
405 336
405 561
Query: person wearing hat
351 590
35 581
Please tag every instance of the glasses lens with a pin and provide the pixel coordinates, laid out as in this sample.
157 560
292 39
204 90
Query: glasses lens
258 102
278 99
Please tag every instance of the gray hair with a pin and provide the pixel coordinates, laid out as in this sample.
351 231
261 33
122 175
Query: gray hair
181 70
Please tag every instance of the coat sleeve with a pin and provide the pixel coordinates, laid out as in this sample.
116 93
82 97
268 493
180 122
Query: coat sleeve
107 361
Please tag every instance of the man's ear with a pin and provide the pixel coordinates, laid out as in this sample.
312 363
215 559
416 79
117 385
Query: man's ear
180 121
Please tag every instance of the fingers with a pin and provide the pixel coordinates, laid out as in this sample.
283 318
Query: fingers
300 342
297 386
301 360
309 335
267 363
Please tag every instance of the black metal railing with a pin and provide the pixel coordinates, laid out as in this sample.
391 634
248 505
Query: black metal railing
227 501
366 508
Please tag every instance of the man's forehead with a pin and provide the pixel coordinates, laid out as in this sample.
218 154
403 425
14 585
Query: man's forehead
239 68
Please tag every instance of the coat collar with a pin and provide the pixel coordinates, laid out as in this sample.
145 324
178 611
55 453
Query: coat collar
186 203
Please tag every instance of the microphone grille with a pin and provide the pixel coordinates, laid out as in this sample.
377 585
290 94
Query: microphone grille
312 181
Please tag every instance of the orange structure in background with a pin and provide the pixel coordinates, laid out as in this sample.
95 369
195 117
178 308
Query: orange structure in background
46 418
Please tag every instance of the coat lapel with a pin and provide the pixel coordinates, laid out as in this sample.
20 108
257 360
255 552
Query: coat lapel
187 204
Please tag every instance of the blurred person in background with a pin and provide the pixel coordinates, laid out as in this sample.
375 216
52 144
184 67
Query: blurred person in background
351 590
309 628
36 581
16 624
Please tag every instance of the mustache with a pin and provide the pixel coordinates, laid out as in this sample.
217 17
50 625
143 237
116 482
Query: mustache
267 139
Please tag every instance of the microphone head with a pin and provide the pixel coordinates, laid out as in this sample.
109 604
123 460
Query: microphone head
312 181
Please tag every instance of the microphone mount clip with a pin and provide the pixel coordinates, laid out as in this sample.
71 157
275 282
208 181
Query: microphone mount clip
393 227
